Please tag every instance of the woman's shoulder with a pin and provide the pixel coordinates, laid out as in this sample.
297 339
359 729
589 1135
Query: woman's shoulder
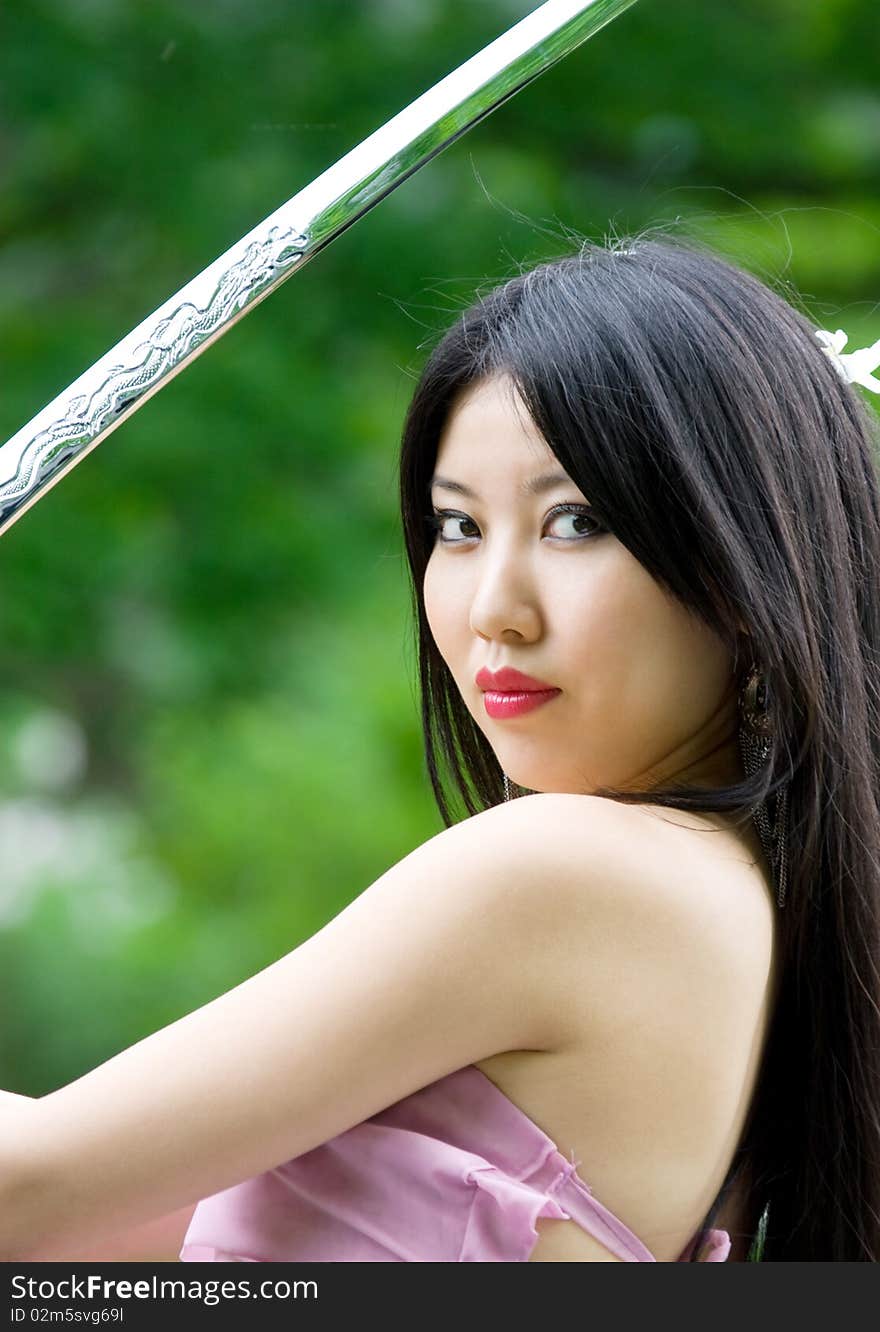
662 981
649 894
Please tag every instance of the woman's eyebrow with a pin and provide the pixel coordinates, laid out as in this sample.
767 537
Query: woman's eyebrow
535 485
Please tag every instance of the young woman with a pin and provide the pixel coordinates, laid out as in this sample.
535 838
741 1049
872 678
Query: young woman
632 1013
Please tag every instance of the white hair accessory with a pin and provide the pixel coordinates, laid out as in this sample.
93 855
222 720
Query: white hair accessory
855 366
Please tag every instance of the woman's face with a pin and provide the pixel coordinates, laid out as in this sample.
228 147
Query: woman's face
647 690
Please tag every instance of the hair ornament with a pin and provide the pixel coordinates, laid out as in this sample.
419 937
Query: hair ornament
855 366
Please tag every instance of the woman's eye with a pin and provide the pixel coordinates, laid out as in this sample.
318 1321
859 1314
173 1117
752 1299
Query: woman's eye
582 524
438 522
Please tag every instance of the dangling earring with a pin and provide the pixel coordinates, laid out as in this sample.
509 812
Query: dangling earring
506 787
756 739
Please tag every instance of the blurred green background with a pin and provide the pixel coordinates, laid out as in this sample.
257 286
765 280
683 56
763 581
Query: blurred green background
208 713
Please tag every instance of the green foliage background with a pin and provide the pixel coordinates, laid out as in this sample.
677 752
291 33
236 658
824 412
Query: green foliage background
208 713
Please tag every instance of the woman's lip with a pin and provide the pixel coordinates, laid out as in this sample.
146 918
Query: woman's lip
503 704
508 680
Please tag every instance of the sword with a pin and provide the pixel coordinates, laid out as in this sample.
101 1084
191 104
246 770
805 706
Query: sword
121 381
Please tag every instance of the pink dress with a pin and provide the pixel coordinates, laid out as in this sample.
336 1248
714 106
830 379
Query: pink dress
454 1173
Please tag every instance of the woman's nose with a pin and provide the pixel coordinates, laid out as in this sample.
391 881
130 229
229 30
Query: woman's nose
503 601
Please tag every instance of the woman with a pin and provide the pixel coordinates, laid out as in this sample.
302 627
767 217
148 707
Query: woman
632 1013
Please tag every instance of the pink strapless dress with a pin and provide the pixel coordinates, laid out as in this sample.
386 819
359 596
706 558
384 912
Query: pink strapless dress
453 1173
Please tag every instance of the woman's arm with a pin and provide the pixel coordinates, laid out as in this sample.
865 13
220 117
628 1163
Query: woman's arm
442 961
17 1158
156 1241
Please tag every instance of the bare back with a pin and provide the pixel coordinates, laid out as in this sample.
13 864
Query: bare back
654 1116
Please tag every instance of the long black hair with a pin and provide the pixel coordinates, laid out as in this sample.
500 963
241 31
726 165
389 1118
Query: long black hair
666 379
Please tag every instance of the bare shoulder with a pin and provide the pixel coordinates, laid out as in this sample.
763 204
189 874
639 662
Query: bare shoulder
645 905
658 951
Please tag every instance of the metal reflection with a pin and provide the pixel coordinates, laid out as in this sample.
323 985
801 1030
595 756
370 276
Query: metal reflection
77 420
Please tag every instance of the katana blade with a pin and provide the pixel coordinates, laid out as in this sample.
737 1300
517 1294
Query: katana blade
76 421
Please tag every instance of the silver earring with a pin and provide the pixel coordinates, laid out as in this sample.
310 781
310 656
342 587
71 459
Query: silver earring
506 787
756 740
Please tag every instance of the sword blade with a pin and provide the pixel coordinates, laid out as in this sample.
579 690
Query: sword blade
158 348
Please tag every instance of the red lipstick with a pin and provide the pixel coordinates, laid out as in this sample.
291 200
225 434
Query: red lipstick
509 681
509 693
